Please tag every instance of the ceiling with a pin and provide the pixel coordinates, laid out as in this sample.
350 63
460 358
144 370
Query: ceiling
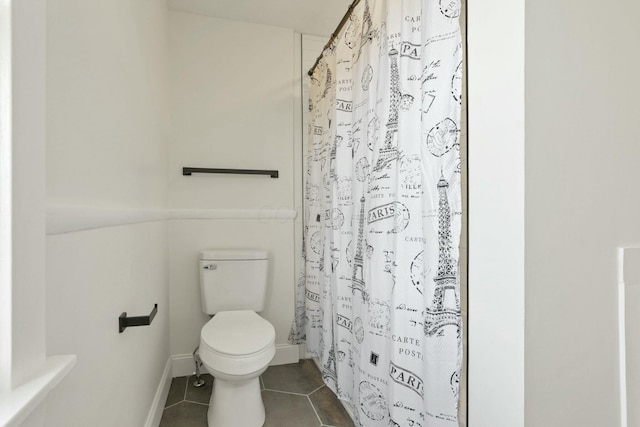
316 17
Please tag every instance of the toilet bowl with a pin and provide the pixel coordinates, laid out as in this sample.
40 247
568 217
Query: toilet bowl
236 347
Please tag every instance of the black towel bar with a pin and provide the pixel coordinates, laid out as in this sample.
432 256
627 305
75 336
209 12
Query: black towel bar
271 173
124 322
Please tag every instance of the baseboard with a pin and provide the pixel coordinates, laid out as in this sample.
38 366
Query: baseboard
285 354
157 406
182 364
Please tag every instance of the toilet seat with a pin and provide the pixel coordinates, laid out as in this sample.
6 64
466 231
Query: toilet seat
237 343
237 333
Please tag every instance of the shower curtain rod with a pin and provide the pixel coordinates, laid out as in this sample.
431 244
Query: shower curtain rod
334 35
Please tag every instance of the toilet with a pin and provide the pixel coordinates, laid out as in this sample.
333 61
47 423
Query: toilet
236 345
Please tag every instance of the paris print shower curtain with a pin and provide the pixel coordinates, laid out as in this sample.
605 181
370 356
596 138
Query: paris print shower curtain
378 301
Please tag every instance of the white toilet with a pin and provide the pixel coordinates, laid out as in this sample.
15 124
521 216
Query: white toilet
236 345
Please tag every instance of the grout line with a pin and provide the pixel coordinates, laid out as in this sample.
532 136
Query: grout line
172 405
314 410
186 388
285 392
199 403
316 390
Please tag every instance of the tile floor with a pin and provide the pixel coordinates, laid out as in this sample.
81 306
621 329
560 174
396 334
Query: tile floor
294 396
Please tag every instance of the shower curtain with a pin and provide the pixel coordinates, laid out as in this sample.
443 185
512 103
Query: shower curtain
378 300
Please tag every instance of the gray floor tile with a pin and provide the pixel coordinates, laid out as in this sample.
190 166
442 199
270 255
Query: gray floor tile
329 408
302 377
185 414
283 408
200 394
288 410
176 392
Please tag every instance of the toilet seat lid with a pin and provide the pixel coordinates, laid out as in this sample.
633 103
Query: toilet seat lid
238 333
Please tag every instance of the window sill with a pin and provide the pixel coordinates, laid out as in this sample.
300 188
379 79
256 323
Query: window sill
17 404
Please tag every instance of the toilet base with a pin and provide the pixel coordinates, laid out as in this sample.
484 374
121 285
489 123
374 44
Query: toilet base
236 403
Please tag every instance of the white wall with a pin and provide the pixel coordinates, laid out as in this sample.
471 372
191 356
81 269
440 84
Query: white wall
93 276
26 131
106 102
582 202
6 160
629 323
496 213
106 149
232 105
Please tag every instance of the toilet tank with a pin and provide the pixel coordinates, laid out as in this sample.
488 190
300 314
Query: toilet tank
232 279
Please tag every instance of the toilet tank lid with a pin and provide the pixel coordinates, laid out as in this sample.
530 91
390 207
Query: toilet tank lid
233 254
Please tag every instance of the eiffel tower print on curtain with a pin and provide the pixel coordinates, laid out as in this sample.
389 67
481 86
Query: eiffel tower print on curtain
397 101
389 151
357 278
359 34
441 314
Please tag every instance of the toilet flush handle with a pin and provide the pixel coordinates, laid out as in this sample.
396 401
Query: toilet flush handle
210 267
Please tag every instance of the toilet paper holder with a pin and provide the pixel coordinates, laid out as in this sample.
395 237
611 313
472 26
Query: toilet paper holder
124 322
